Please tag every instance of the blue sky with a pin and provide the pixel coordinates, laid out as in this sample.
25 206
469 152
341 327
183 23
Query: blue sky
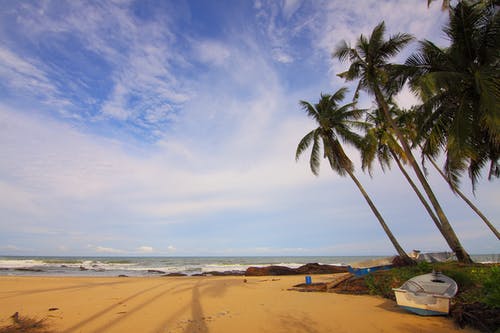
170 128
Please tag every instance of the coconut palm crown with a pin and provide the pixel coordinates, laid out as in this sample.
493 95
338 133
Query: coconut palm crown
334 124
460 87
369 60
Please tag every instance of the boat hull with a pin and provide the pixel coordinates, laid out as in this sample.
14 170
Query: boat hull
367 270
423 304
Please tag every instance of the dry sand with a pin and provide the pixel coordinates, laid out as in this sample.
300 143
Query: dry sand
202 304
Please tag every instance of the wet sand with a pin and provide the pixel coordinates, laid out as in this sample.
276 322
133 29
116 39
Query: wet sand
202 304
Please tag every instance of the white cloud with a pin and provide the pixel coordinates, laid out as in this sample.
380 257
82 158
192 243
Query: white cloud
290 7
280 56
211 52
107 250
145 249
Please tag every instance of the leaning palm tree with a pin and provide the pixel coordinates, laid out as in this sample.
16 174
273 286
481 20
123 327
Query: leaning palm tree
379 143
335 123
369 63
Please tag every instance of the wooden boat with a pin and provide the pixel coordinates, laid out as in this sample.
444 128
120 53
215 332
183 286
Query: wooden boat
427 295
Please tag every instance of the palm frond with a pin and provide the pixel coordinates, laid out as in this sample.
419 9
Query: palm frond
304 144
339 95
309 109
314 160
394 45
342 52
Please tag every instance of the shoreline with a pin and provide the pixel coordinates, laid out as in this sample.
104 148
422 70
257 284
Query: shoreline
156 266
201 304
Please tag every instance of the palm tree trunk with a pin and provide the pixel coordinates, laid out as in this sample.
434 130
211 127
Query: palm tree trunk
399 249
464 198
417 192
446 228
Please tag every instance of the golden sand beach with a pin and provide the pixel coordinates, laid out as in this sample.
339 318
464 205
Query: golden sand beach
201 304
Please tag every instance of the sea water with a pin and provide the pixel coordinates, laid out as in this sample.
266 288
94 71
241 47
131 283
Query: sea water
151 266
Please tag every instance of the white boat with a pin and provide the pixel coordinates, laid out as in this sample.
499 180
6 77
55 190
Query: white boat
427 295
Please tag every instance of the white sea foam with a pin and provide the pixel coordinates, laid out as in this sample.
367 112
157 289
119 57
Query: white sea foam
20 263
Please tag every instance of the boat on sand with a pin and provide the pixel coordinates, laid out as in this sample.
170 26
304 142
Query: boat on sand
427 295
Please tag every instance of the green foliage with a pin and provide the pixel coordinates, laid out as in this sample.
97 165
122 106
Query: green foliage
476 283
491 286
381 283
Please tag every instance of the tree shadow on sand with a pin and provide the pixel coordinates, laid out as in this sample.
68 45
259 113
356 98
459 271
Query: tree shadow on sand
197 323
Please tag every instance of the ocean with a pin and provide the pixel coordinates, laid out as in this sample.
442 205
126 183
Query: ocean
154 266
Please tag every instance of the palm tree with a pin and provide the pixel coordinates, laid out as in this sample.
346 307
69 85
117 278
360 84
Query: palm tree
335 123
460 87
408 121
369 63
381 144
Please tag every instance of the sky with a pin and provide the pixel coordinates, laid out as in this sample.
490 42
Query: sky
169 128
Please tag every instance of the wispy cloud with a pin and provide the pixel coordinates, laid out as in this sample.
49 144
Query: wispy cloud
282 23
25 77
137 56
106 250
145 249
211 52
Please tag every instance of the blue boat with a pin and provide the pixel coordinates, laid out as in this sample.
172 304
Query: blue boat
367 270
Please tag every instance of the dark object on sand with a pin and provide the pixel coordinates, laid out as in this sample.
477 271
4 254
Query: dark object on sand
477 315
25 324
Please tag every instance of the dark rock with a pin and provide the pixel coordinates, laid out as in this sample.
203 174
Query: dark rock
305 269
23 269
269 270
315 268
175 274
122 275
155 271
4 269
83 268
53 309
